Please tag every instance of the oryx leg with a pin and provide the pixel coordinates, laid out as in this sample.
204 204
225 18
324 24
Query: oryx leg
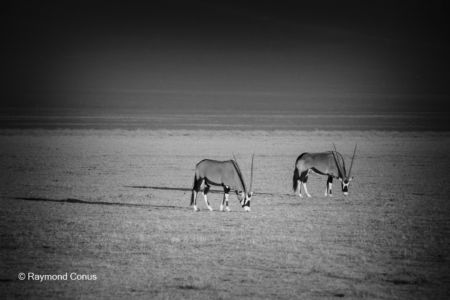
226 194
194 199
299 188
205 192
226 202
306 189
222 203
303 180
328 190
223 199
197 186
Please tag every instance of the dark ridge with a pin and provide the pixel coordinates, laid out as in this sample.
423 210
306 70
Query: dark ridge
166 188
405 282
78 201
188 287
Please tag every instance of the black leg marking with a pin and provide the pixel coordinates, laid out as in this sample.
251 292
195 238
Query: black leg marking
226 191
206 190
195 191
197 185
304 177
330 185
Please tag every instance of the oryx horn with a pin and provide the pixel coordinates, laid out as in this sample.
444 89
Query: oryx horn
237 164
251 174
351 164
235 159
338 162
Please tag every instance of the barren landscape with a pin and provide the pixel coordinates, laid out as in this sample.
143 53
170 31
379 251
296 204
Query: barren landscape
115 203
106 108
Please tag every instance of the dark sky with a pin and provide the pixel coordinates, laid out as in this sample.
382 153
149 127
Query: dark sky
265 54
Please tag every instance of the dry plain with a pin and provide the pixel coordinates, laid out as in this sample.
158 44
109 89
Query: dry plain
115 203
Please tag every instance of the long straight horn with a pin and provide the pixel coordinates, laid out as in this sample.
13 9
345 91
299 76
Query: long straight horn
351 164
338 163
251 174
239 171
235 159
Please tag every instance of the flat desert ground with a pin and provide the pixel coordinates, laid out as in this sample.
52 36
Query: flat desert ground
115 204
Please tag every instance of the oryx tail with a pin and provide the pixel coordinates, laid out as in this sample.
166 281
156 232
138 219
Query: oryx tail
194 187
296 176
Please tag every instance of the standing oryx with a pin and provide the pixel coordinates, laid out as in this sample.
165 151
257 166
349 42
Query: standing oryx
222 173
329 163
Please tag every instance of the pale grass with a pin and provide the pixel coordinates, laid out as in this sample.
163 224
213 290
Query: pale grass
389 239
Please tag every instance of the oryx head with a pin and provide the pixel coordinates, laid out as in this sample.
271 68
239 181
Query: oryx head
244 199
344 176
245 196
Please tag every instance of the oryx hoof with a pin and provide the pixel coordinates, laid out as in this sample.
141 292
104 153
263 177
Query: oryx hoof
210 208
300 195
221 208
309 196
227 209
247 209
196 209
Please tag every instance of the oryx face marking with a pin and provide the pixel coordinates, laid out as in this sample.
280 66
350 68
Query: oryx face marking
241 197
246 204
345 184
244 199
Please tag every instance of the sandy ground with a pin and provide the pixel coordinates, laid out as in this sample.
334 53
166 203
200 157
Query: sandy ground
115 204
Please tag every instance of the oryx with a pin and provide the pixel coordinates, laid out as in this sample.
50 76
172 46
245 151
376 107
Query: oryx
329 163
222 173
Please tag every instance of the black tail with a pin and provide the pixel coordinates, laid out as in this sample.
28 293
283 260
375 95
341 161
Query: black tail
296 176
295 179
193 189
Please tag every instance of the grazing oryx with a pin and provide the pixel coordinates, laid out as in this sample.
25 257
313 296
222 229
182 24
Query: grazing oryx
329 163
222 173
